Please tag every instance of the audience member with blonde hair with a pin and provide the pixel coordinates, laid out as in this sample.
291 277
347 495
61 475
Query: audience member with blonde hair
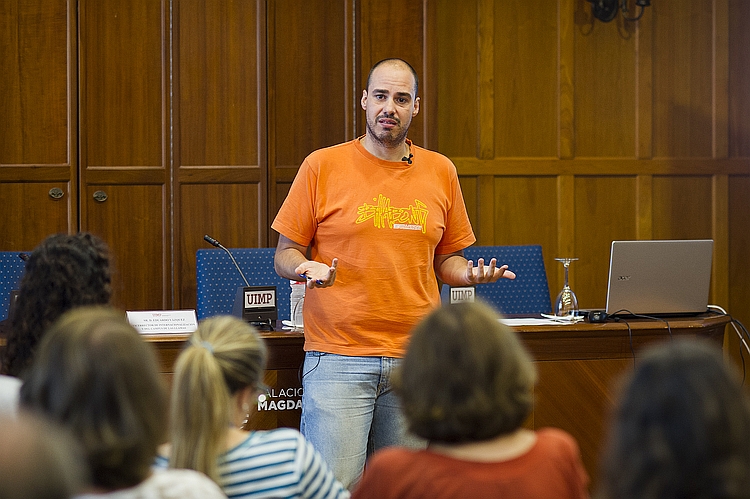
466 386
94 375
216 384
681 429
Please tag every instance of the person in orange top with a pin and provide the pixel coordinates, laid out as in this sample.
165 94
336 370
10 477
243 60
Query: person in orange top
466 384
371 225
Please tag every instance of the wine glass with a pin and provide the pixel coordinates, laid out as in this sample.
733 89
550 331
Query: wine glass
566 303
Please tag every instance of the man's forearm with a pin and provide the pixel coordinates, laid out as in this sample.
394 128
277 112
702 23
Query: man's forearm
451 269
287 260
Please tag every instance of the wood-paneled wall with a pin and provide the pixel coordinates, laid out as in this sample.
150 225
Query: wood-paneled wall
162 121
192 117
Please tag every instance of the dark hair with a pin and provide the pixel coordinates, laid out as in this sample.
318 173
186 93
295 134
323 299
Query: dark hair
396 62
63 272
465 377
96 376
681 428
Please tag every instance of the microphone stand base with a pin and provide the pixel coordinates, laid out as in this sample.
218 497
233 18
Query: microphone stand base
262 325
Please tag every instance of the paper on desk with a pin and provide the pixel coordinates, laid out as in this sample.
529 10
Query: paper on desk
163 321
534 321
566 319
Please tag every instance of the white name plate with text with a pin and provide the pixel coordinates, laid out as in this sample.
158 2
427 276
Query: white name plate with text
163 321
462 294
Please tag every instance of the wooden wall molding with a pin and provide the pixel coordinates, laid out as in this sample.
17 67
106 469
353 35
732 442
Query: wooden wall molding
604 166
486 79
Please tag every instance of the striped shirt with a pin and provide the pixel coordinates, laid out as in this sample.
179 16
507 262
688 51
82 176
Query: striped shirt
276 463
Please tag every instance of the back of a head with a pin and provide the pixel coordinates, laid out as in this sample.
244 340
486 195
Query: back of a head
38 460
63 272
95 376
681 428
225 355
465 377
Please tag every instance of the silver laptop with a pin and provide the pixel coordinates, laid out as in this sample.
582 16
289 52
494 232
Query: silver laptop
659 277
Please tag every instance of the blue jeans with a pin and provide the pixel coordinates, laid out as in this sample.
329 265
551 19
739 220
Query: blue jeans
349 411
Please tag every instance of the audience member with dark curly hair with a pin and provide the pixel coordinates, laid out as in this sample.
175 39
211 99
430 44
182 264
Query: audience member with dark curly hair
681 429
466 385
63 272
96 377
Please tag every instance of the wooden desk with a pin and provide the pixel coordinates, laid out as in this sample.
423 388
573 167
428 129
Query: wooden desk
284 349
285 356
577 366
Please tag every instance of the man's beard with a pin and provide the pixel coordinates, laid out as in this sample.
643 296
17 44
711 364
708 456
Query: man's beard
387 137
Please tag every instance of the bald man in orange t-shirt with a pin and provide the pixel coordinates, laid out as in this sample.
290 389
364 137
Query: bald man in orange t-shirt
381 220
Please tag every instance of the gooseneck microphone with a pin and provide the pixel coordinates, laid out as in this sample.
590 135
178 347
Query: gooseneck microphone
216 243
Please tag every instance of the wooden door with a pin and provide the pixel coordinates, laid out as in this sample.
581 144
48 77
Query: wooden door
124 161
38 128
220 169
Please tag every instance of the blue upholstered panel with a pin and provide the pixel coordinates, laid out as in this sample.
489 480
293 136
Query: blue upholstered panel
11 270
218 279
528 293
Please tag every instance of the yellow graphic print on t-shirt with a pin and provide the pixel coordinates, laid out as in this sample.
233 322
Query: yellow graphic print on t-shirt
386 216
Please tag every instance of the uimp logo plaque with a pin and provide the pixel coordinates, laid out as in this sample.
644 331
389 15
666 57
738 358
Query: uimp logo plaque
256 305
462 294
259 298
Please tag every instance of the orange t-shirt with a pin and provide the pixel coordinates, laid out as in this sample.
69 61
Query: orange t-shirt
552 468
384 221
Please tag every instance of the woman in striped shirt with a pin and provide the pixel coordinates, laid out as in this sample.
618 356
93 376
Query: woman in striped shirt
217 381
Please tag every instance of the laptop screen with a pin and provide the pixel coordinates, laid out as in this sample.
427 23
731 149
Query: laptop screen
659 277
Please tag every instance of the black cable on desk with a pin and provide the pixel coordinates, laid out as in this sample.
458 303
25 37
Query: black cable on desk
630 333
641 316
743 339
736 323
650 317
